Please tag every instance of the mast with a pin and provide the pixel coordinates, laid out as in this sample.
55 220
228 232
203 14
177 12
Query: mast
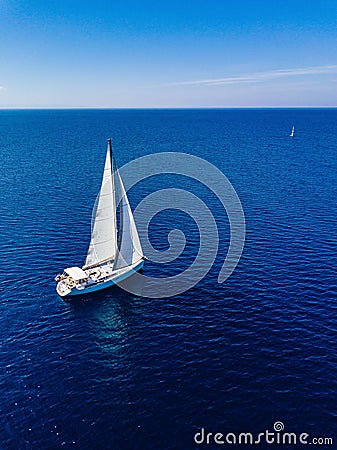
112 159
113 170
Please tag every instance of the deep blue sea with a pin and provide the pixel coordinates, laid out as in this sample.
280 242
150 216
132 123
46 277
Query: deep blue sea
119 371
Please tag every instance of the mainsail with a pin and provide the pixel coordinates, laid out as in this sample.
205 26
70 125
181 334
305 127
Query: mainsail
103 244
129 248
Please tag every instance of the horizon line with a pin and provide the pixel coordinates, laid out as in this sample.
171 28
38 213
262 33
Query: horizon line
52 108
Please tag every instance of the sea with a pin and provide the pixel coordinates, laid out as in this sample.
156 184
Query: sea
255 354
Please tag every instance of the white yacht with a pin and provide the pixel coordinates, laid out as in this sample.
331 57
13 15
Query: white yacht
114 254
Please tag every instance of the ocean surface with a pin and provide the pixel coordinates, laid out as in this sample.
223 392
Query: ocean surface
119 371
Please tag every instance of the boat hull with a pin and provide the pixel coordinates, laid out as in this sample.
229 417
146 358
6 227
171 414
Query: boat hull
100 285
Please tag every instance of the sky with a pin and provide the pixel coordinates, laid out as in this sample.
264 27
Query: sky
168 54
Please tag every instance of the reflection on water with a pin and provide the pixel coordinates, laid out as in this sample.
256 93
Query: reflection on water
109 317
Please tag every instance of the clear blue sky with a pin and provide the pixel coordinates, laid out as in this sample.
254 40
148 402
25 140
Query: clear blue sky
72 53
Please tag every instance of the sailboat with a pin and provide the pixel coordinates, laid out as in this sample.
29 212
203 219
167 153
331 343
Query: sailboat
114 252
292 134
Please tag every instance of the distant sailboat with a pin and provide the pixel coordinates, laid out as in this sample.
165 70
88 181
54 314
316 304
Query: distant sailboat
292 134
110 259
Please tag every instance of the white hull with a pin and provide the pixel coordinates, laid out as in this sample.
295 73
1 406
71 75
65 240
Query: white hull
116 276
